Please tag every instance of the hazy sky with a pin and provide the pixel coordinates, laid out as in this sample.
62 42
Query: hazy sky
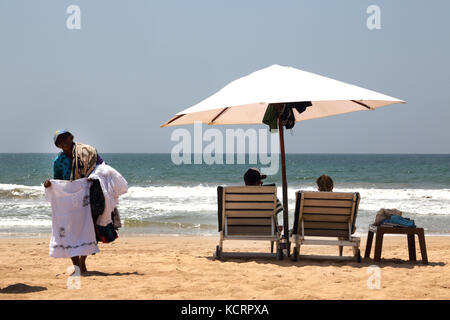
134 64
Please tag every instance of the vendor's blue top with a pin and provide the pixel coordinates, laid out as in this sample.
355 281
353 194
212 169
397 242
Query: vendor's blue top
62 166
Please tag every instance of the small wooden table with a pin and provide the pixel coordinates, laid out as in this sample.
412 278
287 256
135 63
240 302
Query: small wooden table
410 232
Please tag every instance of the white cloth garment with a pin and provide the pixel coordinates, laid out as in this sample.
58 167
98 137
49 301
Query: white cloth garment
73 231
113 185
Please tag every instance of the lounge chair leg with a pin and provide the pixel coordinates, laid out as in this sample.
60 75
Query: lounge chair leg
357 254
271 246
340 247
218 253
296 253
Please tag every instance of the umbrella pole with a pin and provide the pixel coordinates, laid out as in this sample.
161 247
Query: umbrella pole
284 184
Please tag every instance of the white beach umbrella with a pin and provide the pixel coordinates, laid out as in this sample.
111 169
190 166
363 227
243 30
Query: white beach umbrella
245 100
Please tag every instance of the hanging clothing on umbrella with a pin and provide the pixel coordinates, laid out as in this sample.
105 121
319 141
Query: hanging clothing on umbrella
287 114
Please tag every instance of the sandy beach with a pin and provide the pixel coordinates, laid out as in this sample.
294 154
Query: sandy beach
169 267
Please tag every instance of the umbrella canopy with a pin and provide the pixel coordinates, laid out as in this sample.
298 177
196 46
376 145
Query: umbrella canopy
245 100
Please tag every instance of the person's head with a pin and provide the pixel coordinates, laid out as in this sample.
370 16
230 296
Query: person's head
63 139
253 177
325 183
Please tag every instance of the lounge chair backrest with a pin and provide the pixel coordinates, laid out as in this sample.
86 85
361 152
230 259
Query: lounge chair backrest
247 210
325 214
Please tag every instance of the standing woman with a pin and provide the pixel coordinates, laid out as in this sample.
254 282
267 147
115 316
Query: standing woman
76 161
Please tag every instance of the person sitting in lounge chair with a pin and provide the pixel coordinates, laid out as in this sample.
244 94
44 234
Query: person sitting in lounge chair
325 183
254 178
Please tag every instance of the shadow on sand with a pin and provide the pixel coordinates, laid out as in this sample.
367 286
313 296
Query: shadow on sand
105 274
21 288
267 258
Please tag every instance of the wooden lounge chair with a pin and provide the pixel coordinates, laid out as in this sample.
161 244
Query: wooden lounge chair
248 213
326 214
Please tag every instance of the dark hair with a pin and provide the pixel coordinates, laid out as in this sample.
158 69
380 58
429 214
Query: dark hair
325 183
65 134
253 177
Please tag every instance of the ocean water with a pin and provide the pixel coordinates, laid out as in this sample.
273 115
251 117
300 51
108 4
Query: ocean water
165 198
